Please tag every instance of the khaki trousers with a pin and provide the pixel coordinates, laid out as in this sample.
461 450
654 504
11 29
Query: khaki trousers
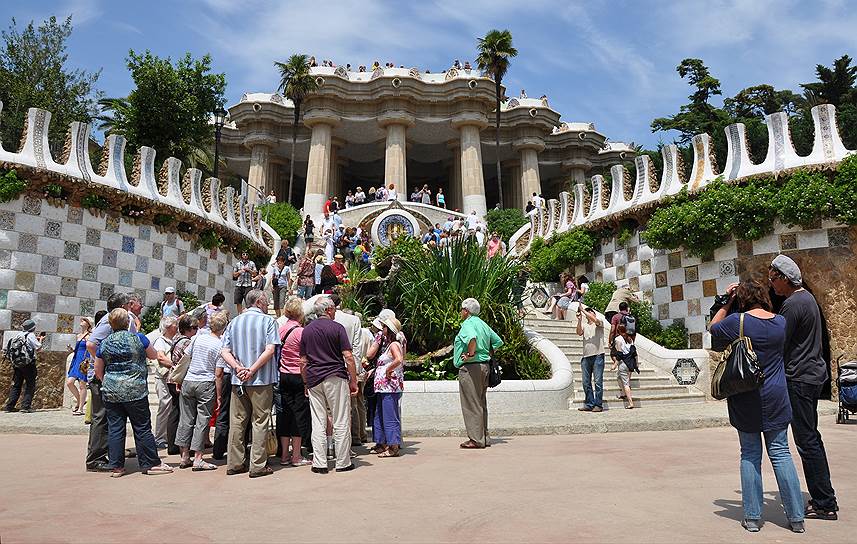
165 406
332 394
253 407
358 414
473 392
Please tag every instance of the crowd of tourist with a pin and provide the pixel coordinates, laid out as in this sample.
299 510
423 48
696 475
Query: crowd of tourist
456 64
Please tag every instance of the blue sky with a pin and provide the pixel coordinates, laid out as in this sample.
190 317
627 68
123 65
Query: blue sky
611 63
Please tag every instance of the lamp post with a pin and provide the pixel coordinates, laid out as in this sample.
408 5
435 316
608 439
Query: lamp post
219 120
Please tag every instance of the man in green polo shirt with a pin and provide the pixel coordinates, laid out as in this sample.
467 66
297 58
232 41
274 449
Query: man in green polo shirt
472 351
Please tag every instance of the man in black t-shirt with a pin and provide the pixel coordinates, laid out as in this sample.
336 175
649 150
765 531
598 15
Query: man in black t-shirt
806 372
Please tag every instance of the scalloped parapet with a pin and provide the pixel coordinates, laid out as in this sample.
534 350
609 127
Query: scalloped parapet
580 207
187 196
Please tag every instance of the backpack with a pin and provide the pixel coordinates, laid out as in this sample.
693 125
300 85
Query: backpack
630 323
19 352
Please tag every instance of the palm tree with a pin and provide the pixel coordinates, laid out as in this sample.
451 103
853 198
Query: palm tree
495 50
116 122
295 83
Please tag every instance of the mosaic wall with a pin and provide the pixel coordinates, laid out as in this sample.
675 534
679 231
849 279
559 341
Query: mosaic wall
681 286
60 263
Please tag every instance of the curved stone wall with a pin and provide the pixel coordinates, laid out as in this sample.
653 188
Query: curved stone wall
59 263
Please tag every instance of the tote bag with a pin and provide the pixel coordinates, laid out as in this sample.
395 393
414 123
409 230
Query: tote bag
738 370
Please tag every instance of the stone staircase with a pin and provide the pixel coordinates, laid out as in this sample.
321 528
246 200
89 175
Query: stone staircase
651 386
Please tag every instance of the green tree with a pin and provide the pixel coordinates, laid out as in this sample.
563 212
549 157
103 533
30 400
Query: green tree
295 83
495 50
506 222
699 115
835 85
34 74
283 218
170 107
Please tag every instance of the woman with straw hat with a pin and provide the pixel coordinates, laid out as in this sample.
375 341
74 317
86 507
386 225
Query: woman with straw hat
389 383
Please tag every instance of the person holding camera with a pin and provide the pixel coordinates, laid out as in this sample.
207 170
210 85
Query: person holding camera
764 413
243 273
592 363
21 352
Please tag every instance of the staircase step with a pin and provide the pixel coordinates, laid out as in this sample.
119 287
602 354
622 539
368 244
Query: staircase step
644 399
612 386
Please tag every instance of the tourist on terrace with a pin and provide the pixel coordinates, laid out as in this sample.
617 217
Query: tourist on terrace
472 351
171 305
309 228
806 372
293 419
280 276
389 382
592 364
199 394
359 196
564 279
563 300
272 198
120 366
249 344
625 362
80 361
391 192
440 198
381 194
319 266
287 253
327 367
765 413
425 195
472 220
243 273
349 200
415 195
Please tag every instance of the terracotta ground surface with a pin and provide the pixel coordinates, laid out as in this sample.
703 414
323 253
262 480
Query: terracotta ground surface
668 486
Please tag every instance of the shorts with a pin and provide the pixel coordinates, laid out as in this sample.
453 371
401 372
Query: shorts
240 293
564 303
623 375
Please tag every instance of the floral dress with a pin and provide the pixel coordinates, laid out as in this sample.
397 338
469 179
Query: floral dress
396 382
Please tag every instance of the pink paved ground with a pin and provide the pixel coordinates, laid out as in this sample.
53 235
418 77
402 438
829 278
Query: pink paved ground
679 486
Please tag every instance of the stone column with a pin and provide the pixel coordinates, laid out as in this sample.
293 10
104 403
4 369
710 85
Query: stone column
516 197
472 181
318 169
335 185
395 152
528 149
260 147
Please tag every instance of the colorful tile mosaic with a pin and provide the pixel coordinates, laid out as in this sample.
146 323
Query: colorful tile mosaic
169 270
50 265
112 224
157 252
744 248
646 267
4 298
109 257
203 263
182 258
693 307
90 272
674 260
87 307
200 292
664 311
181 286
5 258
93 237
142 264
709 288
191 275
68 287
691 274
25 281
211 280
128 244
695 340
71 251
106 290
788 241
27 243
677 293
145 232
7 220
155 283
18 319
727 268
661 279
125 278
634 284
46 303
620 272
608 260
75 215
53 229
32 206
632 253
838 237
65 323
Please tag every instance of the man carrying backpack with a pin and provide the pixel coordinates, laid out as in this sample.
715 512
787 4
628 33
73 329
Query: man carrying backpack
21 352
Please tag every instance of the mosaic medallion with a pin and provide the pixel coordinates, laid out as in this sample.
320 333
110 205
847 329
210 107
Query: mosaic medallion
686 371
539 298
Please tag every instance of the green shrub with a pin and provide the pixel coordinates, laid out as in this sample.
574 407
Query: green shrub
151 318
54 190
506 222
674 336
599 294
11 185
845 191
93 201
163 219
805 199
283 218
550 258
407 247
209 239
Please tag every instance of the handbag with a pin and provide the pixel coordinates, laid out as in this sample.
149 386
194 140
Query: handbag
738 370
271 442
494 371
179 369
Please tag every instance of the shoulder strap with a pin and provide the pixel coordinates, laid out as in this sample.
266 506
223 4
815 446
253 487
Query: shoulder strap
741 326
286 336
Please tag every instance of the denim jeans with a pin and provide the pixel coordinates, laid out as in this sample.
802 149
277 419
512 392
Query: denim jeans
118 414
777 445
804 400
594 364
305 291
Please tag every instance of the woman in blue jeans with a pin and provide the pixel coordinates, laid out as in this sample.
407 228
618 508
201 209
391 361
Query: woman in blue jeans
763 414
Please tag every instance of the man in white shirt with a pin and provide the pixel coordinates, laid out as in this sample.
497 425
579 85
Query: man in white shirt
589 326
472 221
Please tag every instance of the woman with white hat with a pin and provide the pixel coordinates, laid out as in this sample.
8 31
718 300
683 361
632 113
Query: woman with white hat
389 383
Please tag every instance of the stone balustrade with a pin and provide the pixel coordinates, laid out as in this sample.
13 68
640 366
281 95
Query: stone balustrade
647 189
205 204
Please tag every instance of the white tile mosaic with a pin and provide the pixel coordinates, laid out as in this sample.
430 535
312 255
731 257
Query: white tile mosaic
767 244
29 262
811 239
21 301
50 246
30 224
9 239
726 252
47 284
71 269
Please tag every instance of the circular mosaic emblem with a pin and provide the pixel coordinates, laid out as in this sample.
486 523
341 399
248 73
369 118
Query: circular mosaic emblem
539 297
392 224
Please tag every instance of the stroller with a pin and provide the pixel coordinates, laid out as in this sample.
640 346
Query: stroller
847 390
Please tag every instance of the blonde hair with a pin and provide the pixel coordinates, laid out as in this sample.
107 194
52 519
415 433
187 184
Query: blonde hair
294 309
218 321
118 319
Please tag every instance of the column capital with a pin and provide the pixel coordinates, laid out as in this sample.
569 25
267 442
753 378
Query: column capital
578 163
259 138
469 119
396 117
529 142
321 116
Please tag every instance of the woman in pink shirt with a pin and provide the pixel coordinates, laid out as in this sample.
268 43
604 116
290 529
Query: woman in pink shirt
293 420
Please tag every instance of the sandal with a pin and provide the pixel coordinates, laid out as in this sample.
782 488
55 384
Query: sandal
812 512
378 449
301 463
186 464
117 473
470 445
163 468
76 413
285 462
202 465
389 453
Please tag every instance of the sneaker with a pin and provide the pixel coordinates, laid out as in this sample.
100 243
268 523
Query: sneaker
752 525
584 409
597 409
797 527
26 410
320 470
346 469
99 467
117 473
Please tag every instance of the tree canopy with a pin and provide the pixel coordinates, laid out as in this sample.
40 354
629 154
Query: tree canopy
34 73
170 107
